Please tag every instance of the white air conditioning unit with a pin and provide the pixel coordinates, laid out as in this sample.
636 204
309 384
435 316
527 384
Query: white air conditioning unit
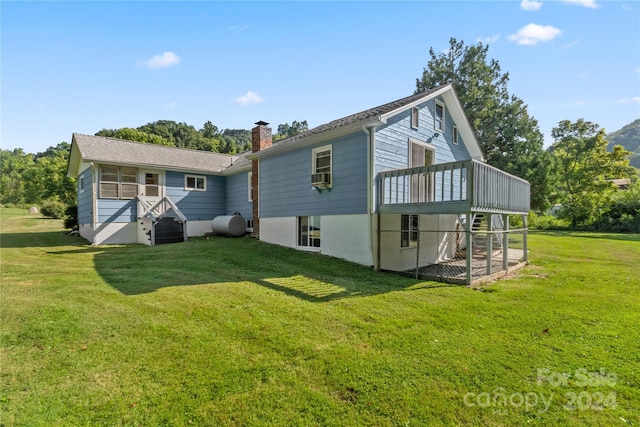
321 180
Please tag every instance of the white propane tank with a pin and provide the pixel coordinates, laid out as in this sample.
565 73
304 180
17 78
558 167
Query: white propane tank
229 225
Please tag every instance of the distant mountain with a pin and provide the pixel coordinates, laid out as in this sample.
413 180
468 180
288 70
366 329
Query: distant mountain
629 138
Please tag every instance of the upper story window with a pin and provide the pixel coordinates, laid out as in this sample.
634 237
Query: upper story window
322 167
81 184
455 135
439 116
118 182
195 183
415 118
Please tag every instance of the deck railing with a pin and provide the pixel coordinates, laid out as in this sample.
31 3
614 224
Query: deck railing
453 187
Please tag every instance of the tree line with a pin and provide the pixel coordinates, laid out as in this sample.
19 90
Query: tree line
575 172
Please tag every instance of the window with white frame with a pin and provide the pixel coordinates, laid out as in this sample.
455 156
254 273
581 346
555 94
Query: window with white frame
422 184
455 135
408 230
118 182
439 116
309 231
249 192
415 118
322 166
195 183
322 159
81 184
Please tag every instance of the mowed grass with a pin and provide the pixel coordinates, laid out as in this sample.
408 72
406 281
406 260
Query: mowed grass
239 332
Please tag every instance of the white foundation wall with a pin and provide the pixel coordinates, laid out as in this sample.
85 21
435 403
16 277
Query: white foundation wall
347 237
115 233
341 236
279 231
198 228
86 231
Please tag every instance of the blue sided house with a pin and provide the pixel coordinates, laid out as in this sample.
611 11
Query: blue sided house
399 187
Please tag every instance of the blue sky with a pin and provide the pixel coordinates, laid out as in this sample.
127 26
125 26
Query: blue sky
84 66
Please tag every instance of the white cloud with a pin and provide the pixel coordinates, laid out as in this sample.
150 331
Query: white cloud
249 98
172 104
628 100
530 5
571 44
162 61
532 34
238 27
591 4
626 7
490 39
583 75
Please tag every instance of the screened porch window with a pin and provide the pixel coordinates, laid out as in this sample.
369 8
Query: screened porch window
118 182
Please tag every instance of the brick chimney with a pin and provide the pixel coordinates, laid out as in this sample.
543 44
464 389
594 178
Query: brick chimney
260 140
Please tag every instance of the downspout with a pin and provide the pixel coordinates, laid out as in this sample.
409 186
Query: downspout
374 234
94 202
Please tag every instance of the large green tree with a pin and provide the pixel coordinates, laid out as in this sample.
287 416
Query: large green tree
509 137
32 179
131 134
14 164
585 168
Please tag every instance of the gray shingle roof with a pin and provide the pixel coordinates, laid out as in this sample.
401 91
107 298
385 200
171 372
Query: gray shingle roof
363 116
119 151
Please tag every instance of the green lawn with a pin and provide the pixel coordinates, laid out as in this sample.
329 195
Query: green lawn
239 332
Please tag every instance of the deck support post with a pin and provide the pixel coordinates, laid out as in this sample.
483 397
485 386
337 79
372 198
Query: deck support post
489 242
417 250
469 243
505 242
524 238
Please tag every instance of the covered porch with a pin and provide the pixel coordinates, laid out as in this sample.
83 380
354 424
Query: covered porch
452 221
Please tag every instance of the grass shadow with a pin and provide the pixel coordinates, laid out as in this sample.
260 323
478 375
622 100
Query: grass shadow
40 239
136 269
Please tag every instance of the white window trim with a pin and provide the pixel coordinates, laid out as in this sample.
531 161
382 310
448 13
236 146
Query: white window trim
81 184
320 149
412 244
249 192
118 182
455 136
204 179
425 145
415 118
319 238
435 116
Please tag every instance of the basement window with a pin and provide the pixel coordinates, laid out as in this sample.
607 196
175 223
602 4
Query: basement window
195 183
408 231
309 231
